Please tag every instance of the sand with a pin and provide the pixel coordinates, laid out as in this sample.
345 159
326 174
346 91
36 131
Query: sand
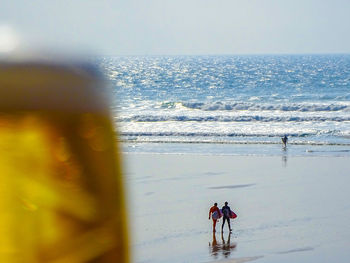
290 209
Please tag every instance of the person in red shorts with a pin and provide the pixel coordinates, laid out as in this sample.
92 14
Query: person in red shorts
213 209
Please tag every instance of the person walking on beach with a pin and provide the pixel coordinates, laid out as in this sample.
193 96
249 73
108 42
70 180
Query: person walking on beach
213 209
284 140
226 211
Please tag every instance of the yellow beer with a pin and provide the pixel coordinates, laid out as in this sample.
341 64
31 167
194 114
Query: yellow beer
61 189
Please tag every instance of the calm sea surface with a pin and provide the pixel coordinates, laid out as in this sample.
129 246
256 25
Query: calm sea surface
232 104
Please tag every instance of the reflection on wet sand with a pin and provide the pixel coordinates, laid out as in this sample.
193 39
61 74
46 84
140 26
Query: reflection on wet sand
284 156
224 248
215 247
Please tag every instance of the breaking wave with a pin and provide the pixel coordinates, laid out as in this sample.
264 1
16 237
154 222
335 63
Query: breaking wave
219 118
237 106
209 134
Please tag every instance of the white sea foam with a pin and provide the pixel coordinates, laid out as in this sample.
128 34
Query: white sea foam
227 98
232 106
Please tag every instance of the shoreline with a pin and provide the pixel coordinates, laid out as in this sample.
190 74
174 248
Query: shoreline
288 211
240 149
232 142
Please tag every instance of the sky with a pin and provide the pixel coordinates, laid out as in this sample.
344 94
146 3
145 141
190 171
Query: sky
178 27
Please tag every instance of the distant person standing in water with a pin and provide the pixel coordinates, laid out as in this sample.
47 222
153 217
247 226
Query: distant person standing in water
226 211
213 209
284 140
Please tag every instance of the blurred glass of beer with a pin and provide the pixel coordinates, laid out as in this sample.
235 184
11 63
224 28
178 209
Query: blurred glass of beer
61 189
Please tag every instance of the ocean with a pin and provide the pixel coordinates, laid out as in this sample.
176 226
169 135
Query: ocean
208 129
232 104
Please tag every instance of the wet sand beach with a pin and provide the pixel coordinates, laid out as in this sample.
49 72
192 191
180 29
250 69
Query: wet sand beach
290 209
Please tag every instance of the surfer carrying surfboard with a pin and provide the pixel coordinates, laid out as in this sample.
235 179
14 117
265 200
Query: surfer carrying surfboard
226 211
214 212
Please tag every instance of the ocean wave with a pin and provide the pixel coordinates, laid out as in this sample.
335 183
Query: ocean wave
210 134
219 118
237 106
